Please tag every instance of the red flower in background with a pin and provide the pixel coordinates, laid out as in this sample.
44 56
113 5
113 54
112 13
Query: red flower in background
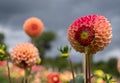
3 63
33 26
54 78
92 31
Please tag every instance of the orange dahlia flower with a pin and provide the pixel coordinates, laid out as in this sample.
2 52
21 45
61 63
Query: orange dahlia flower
33 26
92 31
53 78
24 55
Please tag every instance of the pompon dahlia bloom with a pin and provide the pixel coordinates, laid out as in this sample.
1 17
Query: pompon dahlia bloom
92 31
24 55
33 26
53 78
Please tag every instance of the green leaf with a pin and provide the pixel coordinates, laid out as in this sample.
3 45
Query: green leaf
64 49
78 79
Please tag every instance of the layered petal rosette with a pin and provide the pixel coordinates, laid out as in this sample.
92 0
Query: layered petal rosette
92 31
24 55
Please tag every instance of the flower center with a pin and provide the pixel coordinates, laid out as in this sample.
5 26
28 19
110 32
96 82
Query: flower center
84 35
55 79
34 26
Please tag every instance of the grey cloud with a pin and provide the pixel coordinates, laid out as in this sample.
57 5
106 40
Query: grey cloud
14 12
54 13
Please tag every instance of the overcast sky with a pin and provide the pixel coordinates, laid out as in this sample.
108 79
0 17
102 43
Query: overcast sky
57 15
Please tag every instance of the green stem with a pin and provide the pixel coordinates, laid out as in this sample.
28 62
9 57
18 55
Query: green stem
8 71
26 76
87 78
72 70
32 40
107 82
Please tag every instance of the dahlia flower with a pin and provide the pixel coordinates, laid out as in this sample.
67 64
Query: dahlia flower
33 26
92 31
24 55
98 73
53 78
66 76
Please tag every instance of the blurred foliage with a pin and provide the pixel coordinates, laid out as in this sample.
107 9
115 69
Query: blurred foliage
3 78
43 42
112 67
109 66
3 47
3 52
2 37
60 64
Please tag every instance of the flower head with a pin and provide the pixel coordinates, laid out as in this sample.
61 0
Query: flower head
24 55
64 51
85 35
101 77
92 31
33 27
98 73
53 78
66 76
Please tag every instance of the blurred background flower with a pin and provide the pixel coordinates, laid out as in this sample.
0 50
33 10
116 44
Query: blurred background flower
33 27
54 78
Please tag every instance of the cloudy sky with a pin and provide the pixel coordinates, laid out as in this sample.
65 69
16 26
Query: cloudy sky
57 16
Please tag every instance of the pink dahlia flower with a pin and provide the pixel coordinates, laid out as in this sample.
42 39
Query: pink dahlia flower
92 31
24 55
33 26
53 78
